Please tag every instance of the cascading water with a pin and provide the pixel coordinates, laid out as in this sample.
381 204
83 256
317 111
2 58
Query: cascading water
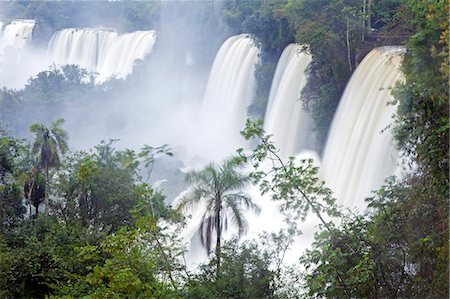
229 92
285 117
16 63
100 49
16 34
358 155
360 151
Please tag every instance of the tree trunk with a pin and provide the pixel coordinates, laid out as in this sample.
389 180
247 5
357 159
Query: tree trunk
369 12
219 236
29 195
84 208
348 45
363 21
46 191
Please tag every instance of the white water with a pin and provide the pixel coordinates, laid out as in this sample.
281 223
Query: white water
101 50
285 117
229 92
222 116
358 156
16 34
17 60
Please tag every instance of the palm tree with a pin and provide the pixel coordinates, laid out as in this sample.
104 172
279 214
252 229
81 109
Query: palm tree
49 143
218 186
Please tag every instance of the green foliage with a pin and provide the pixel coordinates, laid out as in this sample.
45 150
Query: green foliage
244 273
6 268
124 265
45 97
101 188
340 264
384 13
422 130
400 249
12 207
422 126
295 184
10 150
127 246
44 253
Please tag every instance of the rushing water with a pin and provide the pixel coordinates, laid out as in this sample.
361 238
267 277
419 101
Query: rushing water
223 113
285 117
360 151
16 63
229 92
16 34
100 49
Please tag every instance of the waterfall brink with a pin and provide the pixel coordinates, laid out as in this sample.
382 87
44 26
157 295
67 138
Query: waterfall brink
16 34
360 151
285 118
229 92
101 50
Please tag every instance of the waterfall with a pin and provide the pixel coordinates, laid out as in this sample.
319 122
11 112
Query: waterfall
229 92
360 151
17 62
100 49
16 34
285 117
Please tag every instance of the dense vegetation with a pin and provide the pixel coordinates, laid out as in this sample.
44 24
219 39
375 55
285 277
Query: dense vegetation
89 224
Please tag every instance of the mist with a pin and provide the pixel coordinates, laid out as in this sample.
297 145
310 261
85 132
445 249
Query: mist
159 103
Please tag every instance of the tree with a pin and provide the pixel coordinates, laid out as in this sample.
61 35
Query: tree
101 187
50 143
245 273
294 183
11 208
218 187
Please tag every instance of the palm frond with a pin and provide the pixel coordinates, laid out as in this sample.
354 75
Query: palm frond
57 122
237 215
204 177
38 143
193 198
206 229
246 201
232 177
37 128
